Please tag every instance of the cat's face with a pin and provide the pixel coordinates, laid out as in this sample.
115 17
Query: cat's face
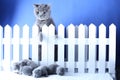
42 11
37 73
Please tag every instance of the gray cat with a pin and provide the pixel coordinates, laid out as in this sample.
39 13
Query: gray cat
56 69
26 70
24 66
42 13
43 16
44 71
41 71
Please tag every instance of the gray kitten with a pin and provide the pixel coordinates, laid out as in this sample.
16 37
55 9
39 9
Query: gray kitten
44 71
43 16
42 13
24 66
56 69
26 70
41 71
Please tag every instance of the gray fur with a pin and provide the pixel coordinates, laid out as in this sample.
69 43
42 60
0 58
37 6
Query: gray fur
52 69
41 71
26 70
56 69
27 62
44 71
22 66
29 67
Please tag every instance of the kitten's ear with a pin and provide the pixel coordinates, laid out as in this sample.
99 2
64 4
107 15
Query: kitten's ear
35 5
49 6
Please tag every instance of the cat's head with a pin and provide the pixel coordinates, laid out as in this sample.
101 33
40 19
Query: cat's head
42 11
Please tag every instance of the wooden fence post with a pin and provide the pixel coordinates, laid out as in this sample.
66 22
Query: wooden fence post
16 43
7 48
92 49
25 42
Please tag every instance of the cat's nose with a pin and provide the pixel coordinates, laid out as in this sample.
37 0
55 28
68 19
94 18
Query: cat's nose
44 12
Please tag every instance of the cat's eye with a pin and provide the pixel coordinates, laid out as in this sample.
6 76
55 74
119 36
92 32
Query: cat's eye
45 5
37 12
36 5
44 12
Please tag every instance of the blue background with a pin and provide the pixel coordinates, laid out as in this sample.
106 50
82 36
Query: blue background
64 11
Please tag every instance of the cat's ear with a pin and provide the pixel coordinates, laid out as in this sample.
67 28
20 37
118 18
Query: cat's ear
35 5
49 6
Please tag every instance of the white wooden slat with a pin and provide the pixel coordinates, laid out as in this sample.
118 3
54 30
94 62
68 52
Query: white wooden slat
81 49
44 45
7 48
16 43
1 47
102 48
61 33
35 39
25 47
92 49
112 48
51 38
71 49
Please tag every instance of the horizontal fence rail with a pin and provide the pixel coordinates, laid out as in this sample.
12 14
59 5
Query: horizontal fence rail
80 51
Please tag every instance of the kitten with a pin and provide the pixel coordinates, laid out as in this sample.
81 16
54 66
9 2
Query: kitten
24 66
42 13
56 69
26 70
40 71
44 71
43 16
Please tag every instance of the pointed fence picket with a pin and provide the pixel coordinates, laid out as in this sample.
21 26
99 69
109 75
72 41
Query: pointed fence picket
71 48
7 47
25 42
34 43
16 43
102 48
61 41
92 49
51 40
112 48
44 55
83 47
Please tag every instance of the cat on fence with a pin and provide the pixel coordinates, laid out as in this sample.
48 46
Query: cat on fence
42 13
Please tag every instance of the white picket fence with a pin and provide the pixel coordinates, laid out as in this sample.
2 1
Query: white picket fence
15 45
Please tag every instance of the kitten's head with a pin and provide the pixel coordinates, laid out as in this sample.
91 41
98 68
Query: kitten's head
42 11
37 73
